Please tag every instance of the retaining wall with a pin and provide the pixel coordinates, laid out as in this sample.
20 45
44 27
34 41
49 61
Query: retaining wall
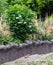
12 52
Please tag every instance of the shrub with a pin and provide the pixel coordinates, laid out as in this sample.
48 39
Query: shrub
20 21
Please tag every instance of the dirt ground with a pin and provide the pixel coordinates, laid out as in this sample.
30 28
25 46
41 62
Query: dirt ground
30 58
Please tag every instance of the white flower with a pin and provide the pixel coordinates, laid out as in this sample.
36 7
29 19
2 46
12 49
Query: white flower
19 22
17 17
31 30
30 26
25 22
20 16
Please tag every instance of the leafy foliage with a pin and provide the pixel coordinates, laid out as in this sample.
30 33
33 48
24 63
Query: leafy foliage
20 21
19 15
47 37
4 39
3 5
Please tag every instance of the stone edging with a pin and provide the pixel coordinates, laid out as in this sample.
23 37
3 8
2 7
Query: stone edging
26 44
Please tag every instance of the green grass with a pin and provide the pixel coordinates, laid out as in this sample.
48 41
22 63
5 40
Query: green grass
37 63
41 63
34 63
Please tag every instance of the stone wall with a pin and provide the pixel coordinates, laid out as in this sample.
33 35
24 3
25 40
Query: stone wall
12 52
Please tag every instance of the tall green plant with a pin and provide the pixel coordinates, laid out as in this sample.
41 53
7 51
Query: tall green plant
20 21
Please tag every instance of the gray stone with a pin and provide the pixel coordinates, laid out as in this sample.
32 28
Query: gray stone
2 47
24 44
45 42
37 43
28 42
20 45
52 41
